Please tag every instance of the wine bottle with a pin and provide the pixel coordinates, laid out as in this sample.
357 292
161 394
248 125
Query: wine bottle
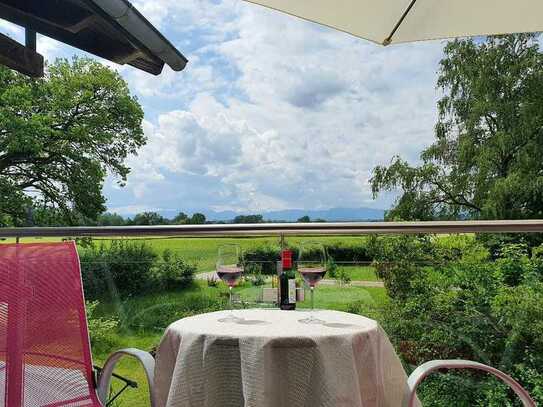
287 283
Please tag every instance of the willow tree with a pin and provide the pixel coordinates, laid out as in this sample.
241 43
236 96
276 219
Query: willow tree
61 135
487 158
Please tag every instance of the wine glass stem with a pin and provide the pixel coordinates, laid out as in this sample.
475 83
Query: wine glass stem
312 300
230 300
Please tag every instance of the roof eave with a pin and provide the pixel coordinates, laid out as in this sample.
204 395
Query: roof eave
130 20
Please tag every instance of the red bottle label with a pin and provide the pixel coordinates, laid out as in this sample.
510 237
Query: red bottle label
286 258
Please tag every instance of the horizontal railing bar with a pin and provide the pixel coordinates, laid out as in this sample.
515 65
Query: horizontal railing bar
337 228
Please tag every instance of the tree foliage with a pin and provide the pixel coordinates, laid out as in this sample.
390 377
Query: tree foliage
110 219
486 158
197 219
449 300
248 219
149 219
180 219
61 135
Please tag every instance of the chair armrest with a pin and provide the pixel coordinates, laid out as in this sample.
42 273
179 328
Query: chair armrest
104 380
420 373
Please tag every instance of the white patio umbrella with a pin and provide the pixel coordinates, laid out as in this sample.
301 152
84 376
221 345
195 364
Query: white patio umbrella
396 21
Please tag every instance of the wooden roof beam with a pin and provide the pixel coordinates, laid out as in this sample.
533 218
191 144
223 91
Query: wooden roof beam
20 58
83 24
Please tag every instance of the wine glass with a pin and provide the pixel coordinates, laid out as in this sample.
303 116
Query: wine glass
312 267
229 269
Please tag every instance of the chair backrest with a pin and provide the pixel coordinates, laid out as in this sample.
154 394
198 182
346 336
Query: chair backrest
45 357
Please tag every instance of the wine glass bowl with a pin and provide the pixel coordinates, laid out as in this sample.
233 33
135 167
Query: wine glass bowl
230 274
312 275
311 265
229 269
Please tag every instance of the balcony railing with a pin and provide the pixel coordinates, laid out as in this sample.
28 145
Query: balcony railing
277 229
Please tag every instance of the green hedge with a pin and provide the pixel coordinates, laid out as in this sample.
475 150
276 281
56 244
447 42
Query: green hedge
122 268
269 255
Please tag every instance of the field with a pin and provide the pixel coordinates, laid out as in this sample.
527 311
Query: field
202 251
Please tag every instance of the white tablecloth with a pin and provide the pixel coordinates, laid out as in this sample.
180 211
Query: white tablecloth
274 361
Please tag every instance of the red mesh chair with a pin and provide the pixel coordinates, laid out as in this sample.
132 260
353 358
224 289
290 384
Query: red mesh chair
45 356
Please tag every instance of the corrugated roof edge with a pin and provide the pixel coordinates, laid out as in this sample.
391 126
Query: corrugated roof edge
128 17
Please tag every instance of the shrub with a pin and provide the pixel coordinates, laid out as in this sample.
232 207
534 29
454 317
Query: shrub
123 268
255 275
266 255
101 330
251 268
172 272
343 277
400 259
495 242
212 281
120 267
464 305
341 251
363 307
331 268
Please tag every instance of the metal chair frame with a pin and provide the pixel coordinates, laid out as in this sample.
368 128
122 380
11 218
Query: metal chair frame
424 370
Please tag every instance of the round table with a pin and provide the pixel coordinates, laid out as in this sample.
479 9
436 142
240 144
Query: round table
272 360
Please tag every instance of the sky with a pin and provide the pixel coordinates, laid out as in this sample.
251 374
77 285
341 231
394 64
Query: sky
272 112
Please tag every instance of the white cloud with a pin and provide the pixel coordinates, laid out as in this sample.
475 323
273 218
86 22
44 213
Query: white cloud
49 48
10 29
274 112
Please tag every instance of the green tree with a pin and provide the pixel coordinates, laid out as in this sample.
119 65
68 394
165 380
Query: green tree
110 219
304 219
50 216
486 158
180 219
248 219
197 219
61 135
149 219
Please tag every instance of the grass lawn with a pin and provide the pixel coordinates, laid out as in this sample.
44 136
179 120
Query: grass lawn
143 319
360 273
330 297
342 298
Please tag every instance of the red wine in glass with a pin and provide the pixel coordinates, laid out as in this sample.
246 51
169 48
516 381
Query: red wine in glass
229 274
229 269
312 275
312 267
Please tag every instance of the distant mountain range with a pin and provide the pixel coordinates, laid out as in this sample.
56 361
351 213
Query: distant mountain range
292 215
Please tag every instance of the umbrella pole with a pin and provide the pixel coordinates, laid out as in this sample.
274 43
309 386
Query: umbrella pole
388 39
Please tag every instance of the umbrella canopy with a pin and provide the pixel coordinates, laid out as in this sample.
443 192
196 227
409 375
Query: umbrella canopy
396 21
